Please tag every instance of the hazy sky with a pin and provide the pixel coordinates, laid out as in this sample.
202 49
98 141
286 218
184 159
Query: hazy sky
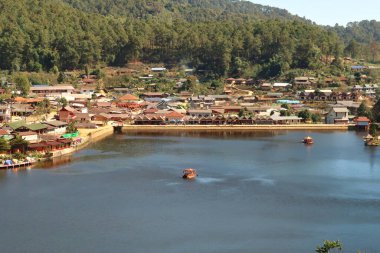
329 12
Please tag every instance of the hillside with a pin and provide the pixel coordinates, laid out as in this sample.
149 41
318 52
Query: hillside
219 37
361 38
39 35
189 10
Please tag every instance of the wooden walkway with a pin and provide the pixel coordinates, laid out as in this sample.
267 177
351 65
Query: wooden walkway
13 166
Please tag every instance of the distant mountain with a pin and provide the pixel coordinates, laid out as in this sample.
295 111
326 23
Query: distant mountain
364 31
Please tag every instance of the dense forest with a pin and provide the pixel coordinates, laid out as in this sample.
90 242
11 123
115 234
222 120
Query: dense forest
220 37
189 10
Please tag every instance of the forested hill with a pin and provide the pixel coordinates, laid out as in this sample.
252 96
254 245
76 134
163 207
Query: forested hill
250 40
189 10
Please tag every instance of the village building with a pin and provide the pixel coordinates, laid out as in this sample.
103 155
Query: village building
56 127
282 86
362 123
304 81
337 115
128 98
5 112
286 120
51 90
200 113
30 136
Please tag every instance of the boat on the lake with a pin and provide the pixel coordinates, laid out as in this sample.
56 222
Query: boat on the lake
308 140
189 174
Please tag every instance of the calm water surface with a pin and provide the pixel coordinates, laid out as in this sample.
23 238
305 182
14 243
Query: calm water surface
256 192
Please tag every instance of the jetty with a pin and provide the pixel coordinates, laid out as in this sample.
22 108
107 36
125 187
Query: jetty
16 165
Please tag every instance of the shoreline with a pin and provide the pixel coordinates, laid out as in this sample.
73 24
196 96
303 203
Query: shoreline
317 127
88 136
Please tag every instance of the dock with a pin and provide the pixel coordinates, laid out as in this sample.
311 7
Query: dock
15 165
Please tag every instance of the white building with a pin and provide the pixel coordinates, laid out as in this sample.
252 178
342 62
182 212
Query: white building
337 115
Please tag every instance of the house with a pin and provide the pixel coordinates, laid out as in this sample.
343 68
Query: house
337 115
67 114
286 120
5 113
22 126
266 86
200 113
282 86
304 81
174 117
362 123
51 90
56 127
128 98
29 136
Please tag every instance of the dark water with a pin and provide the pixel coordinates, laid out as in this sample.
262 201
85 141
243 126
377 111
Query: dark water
256 192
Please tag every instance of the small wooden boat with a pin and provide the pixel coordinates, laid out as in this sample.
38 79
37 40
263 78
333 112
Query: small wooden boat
308 140
189 174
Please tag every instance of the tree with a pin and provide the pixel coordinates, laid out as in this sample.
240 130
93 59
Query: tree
61 77
22 84
4 145
43 107
61 102
376 111
18 143
71 128
358 77
329 245
285 113
316 118
364 111
373 129
305 114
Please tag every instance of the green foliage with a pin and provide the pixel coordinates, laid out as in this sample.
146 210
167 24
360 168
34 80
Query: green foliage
328 246
62 102
316 118
218 37
19 143
71 128
4 145
373 129
364 111
376 111
22 84
304 114
43 107
18 156
285 113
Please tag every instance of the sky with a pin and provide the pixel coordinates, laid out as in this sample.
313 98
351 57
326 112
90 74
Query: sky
329 12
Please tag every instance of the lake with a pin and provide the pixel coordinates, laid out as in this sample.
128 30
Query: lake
256 192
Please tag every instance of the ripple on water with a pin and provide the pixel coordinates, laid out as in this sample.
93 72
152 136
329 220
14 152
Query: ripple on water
209 180
261 180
